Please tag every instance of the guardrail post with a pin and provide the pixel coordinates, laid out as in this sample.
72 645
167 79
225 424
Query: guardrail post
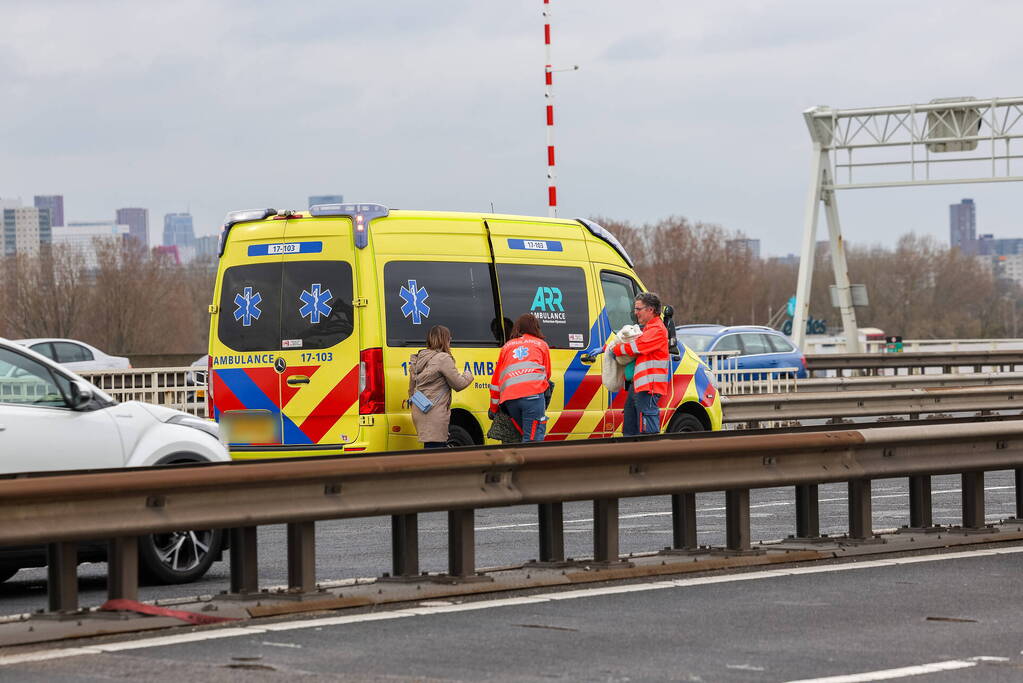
683 521
123 568
552 532
605 530
920 516
860 511
244 560
62 576
405 545
973 500
302 557
461 543
808 523
1019 494
737 533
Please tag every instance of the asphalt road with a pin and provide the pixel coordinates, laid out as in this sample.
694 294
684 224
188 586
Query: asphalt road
508 536
944 617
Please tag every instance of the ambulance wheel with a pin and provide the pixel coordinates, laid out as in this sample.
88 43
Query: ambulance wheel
459 436
684 422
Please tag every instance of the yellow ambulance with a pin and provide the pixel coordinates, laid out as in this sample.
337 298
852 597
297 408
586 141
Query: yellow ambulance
315 315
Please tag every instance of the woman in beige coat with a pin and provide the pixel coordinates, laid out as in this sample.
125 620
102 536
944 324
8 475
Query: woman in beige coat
432 371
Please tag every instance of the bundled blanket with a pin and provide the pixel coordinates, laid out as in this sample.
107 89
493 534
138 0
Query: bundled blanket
613 370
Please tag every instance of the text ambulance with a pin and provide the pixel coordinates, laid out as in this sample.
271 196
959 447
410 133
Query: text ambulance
316 314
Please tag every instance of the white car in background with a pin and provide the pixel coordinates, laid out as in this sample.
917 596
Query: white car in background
75 354
51 419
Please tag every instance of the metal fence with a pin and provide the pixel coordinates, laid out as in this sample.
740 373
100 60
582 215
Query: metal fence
180 388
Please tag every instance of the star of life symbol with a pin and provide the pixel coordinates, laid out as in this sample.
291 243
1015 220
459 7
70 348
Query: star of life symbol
248 306
415 302
315 303
520 353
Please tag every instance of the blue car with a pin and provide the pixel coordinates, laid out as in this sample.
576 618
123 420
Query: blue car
759 347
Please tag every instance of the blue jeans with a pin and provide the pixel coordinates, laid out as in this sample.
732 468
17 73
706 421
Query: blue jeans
640 414
528 413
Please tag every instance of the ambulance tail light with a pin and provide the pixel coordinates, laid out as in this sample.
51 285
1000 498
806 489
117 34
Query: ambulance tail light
371 381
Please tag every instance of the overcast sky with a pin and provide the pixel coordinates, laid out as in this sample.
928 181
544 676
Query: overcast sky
687 108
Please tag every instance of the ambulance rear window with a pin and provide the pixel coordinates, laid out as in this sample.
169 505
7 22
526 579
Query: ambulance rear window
250 305
316 300
264 304
458 295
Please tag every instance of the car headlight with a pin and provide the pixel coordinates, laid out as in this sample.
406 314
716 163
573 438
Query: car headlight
211 428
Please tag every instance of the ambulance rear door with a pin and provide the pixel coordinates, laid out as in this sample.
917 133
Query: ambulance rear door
318 357
543 269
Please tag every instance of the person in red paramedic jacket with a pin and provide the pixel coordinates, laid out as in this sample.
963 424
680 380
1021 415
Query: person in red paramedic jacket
521 378
652 368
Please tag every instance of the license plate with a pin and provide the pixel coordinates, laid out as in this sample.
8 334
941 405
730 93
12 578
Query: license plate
249 427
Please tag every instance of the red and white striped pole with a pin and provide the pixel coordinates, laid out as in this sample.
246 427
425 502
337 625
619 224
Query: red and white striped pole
552 190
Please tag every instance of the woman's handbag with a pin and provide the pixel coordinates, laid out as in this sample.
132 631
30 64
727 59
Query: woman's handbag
419 400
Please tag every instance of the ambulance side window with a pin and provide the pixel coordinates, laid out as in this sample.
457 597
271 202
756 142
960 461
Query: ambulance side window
317 303
556 295
619 293
250 307
421 294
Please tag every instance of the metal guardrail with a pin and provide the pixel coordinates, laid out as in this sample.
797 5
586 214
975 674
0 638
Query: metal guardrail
884 382
122 505
835 406
871 363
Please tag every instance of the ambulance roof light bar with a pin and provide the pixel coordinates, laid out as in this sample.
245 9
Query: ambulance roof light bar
602 232
244 216
361 215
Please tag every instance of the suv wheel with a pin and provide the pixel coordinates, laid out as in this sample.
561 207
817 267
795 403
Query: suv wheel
684 422
179 556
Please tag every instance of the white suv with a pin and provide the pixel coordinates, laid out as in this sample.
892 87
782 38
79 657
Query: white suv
51 419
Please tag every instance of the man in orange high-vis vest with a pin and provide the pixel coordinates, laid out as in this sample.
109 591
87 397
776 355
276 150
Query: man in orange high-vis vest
652 368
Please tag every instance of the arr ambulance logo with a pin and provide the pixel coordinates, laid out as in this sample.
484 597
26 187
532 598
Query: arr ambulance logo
547 305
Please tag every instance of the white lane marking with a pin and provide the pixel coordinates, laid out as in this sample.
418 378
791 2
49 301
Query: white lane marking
776 503
273 644
230 632
903 672
212 634
44 655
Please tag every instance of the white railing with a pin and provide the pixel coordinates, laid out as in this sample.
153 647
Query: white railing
731 380
180 388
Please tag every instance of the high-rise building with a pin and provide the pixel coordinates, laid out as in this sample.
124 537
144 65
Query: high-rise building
89 237
25 229
206 247
177 230
325 199
137 221
962 226
53 202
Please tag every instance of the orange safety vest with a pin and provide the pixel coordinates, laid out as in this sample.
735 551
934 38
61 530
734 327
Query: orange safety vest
523 369
650 350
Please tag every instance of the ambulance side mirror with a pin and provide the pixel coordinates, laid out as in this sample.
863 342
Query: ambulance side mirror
669 323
